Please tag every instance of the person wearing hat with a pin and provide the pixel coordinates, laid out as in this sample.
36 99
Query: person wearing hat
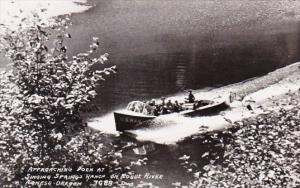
191 97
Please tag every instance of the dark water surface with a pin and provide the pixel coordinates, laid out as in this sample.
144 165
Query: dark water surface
168 160
164 47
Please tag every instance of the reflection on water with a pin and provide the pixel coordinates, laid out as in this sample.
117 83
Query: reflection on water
160 52
162 48
180 47
199 65
183 160
153 75
180 75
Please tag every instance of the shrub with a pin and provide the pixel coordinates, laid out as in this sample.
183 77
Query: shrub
41 97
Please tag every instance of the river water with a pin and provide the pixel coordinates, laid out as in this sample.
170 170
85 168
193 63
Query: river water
162 48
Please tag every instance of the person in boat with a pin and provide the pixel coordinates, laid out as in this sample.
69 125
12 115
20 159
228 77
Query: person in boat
163 101
191 97
148 109
155 108
162 107
164 110
170 105
177 107
152 103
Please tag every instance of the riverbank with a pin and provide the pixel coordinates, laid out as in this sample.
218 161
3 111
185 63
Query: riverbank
163 159
264 151
260 93
12 12
258 151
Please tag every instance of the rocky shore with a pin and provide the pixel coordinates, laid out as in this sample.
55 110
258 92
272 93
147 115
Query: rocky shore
264 151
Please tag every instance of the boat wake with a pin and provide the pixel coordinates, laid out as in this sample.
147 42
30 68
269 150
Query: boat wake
250 98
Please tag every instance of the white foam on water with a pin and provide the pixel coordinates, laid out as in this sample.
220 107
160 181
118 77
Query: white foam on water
183 127
105 124
257 92
12 11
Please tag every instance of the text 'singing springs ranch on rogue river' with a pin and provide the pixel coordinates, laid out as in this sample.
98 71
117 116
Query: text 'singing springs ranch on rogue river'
150 93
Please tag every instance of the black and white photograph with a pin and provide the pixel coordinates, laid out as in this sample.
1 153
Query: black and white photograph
150 93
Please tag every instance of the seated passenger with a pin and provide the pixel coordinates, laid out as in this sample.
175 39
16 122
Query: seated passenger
152 103
163 110
169 106
148 109
156 110
177 107
163 103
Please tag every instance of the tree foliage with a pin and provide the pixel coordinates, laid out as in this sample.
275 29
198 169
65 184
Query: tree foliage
41 96
51 88
263 153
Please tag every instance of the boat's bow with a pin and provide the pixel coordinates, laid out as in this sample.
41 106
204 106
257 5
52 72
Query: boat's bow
128 120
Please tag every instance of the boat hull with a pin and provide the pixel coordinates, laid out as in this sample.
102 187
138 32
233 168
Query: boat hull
129 121
207 110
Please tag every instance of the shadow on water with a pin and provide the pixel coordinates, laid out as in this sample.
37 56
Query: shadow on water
164 55
177 163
